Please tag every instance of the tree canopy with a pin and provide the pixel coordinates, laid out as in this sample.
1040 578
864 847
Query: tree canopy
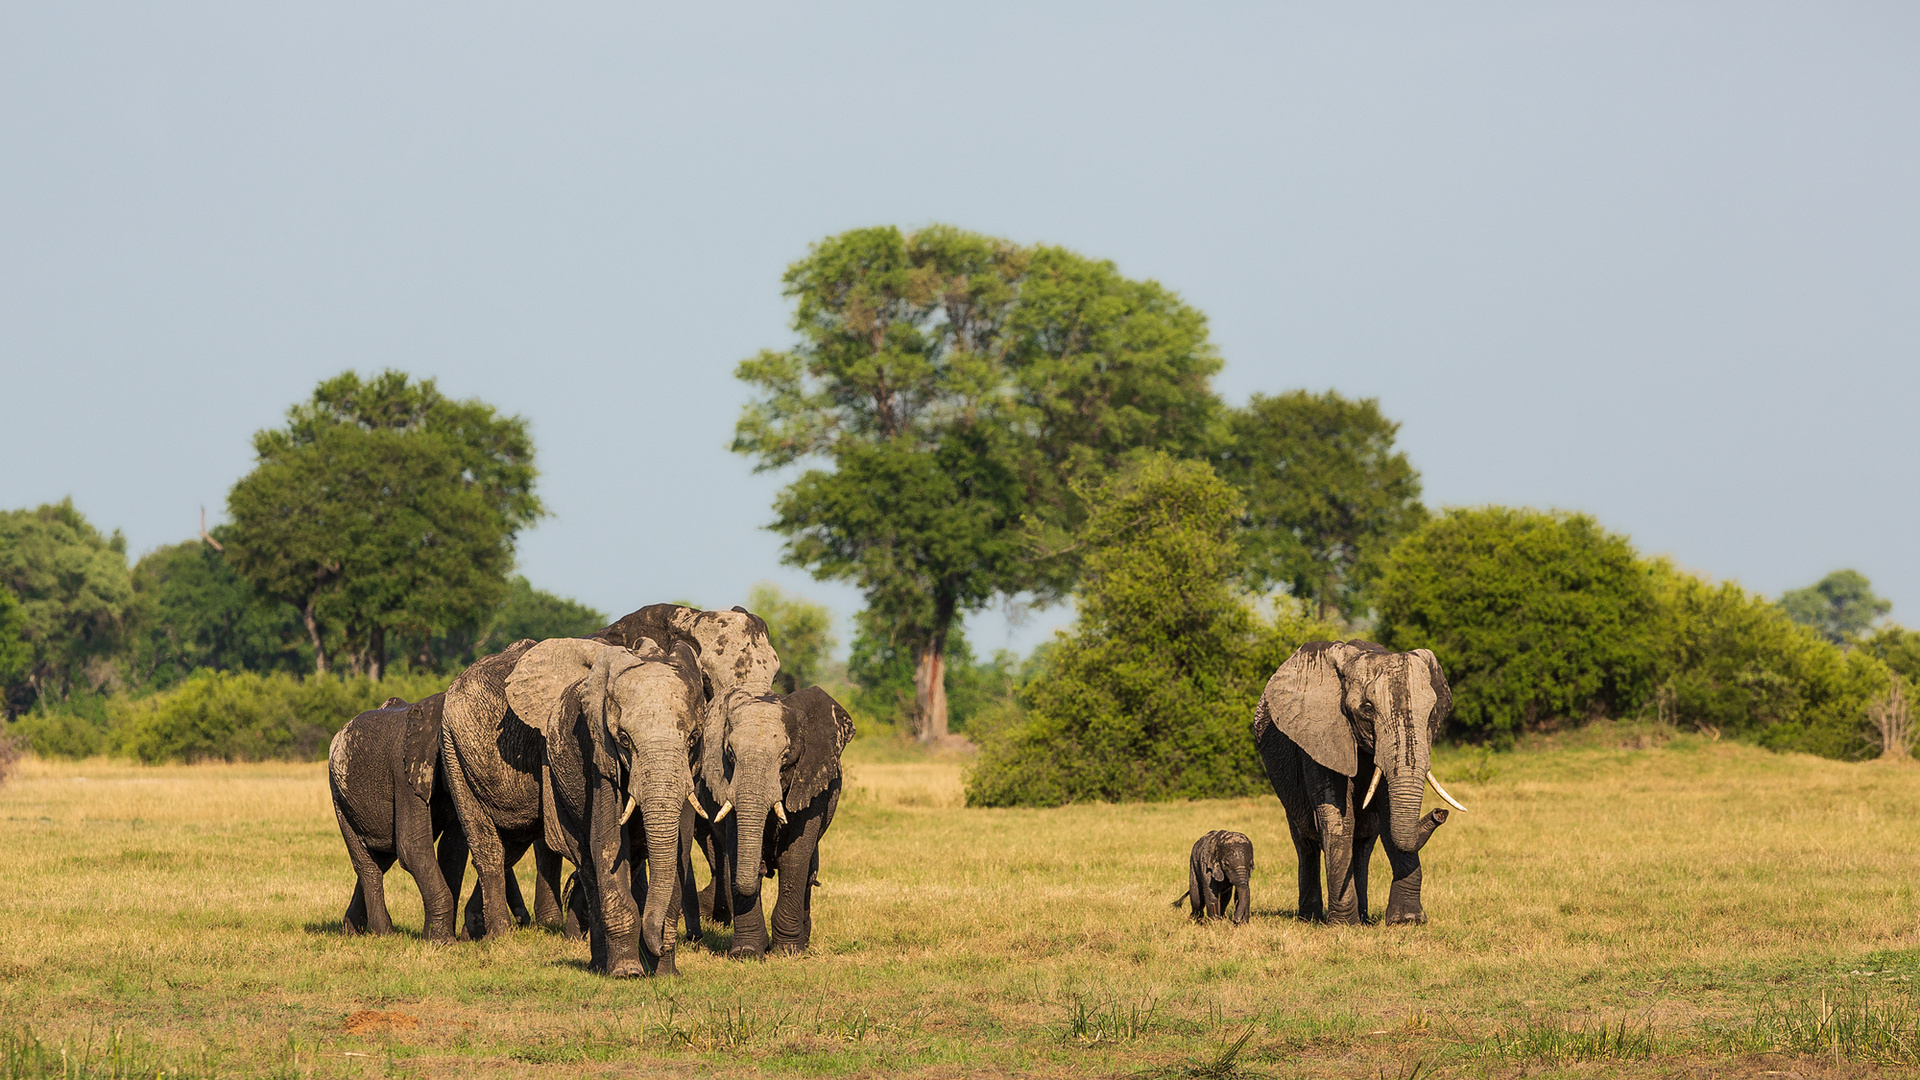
1327 495
1839 607
74 592
383 507
1151 694
1534 616
195 611
955 383
801 632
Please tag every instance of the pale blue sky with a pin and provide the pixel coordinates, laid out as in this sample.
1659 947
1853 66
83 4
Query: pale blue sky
1655 261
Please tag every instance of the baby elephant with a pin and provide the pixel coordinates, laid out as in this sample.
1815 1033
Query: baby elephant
1217 873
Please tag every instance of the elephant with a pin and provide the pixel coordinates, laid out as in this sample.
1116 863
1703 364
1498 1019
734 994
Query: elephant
617 723
1334 721
390 798
781 757
490 760
1217 873
734 654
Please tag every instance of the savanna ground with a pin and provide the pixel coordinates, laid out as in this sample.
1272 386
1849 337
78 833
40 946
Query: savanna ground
1622 901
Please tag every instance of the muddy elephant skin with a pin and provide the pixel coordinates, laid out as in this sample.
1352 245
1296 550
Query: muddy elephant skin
1217 872
1345 731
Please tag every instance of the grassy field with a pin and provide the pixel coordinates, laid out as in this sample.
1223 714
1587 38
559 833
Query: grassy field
1619 902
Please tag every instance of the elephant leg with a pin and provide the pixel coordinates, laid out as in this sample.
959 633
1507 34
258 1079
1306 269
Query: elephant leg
1311 905
574 903
686 899
413 841
1362 858
367 911
1403 897
792 912
452 855
546 887
516 903
1336 842
489 858
715 899
613 916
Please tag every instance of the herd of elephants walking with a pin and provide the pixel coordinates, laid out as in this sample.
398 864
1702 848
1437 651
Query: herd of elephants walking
622 751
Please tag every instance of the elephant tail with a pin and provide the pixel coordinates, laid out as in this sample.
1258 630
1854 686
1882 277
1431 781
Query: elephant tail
1181 899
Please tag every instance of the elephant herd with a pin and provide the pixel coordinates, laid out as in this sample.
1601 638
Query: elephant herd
618 752
622 751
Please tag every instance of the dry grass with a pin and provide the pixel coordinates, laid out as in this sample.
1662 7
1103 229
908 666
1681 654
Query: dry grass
1602 910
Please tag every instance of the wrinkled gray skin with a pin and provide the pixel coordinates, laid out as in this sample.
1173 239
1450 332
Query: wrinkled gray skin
392 803
491 761
1330 714
617 724
781 751
734 655
1217 873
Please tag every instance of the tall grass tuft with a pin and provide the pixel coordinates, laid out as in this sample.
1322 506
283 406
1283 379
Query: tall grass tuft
1559 1044
1841 1027
23 1056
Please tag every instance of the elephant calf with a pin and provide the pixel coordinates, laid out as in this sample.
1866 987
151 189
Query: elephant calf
1217 874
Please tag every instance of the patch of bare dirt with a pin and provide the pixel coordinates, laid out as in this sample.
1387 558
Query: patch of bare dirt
372 1022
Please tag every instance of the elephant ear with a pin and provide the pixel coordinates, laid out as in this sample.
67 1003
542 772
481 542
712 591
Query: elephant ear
1302 701
817 729
423 744
544 689
686 664
1443 706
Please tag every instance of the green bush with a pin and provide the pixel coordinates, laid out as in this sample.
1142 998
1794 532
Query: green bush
1733 663
1536 617
1150 697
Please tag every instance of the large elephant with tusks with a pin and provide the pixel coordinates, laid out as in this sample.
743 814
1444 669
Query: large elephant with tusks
1345 730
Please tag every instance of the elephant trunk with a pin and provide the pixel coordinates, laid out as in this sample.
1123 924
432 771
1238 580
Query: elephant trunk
751 808
1434 819
661 819
1405 789
1242 898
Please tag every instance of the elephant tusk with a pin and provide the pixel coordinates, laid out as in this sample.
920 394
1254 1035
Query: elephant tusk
697 808
1442 792
780 812
1373 787
725 809
628 812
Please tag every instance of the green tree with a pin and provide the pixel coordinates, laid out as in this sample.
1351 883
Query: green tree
528 612
1150 696
74 591
383 508
1534 616
16 652
194 611
801 632
1899 649
1327 495
1839 606
953 382
1731 663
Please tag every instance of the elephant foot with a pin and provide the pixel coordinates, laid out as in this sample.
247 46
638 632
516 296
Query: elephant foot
745 953
627 969
1406 918
665 968
789 948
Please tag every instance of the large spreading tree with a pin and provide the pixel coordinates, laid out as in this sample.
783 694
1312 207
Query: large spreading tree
383 508
949 388
1327 495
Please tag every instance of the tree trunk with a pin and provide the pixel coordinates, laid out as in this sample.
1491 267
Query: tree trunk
319 644
930 693
377 652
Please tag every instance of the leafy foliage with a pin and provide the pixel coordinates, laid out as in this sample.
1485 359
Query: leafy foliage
224 716
954 382
1534 616
192 610
882 674
1327 495
1151 695
16 653
74 592
1732 663
527 612
1899 649
1840 606
383 506
801 632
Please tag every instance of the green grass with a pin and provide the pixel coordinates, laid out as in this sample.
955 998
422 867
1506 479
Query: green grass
1620 901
